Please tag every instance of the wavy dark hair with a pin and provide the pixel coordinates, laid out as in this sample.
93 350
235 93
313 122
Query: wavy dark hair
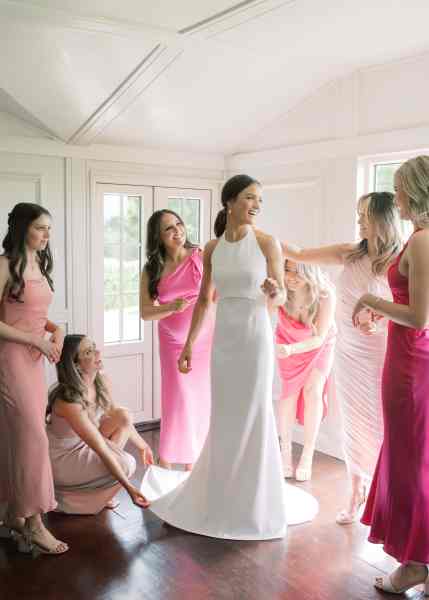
70 386
155 250
383 212
230 191
19 220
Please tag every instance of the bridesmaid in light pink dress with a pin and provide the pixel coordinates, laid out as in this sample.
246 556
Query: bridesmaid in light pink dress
26 486
170 286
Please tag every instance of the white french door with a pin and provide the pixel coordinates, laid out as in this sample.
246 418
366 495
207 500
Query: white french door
118 227
119 215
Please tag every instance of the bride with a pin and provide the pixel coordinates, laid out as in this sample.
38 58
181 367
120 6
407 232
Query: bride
236 489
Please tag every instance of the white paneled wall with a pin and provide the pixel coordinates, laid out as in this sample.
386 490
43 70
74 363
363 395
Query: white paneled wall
308 160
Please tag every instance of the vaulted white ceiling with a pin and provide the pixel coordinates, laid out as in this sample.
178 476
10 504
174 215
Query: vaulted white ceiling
207 75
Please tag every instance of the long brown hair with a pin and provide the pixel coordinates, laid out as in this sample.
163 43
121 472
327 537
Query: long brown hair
382 212
70 386
155 249
19 220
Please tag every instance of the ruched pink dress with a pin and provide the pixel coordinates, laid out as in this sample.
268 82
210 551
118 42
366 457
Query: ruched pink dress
26 484
295 370
398 504
185 399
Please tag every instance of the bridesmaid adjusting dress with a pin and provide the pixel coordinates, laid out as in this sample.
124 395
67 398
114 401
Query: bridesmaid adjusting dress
170 286
236 489
305 337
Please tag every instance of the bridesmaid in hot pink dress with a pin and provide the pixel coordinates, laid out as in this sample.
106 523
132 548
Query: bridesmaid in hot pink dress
170 286
305 338
398 504
26 486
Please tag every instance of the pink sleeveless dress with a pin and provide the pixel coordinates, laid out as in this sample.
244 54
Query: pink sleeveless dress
26 484
185 399
83 484
295 370
398 504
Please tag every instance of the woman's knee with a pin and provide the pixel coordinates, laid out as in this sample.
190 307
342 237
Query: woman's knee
122 417
129 464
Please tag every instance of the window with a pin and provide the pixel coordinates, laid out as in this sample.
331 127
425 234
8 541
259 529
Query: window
383 176
123 217
383 181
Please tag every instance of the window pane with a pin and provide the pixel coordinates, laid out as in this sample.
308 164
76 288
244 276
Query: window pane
131 317
112 218
131 216
384 175
131 269
112 316
112 271
189 210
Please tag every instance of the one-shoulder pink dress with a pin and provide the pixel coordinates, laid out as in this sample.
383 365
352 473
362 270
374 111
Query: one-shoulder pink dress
398 504
26 484
295 370
185 399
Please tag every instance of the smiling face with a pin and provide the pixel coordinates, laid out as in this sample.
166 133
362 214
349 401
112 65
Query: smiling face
172 232
293 280
247 205
88 357
38 233
367 226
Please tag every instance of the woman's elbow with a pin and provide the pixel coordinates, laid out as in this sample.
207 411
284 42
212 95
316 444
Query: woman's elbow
421 321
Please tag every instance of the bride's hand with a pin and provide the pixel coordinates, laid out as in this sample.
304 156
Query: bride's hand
185 360
270 287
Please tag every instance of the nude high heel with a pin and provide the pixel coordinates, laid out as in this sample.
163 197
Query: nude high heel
345 517
28 545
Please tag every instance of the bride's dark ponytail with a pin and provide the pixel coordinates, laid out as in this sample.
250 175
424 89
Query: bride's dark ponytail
230 191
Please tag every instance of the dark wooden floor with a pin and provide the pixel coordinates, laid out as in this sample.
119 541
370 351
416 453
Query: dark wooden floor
131 555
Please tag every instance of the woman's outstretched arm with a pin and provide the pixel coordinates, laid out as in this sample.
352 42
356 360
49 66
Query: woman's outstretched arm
325 255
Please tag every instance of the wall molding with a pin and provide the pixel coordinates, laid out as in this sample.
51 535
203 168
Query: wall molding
383 142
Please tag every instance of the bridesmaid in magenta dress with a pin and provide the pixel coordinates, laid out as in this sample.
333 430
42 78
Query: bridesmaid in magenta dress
26 485
397 509
170 286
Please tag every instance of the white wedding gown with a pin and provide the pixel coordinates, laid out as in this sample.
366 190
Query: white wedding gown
236 488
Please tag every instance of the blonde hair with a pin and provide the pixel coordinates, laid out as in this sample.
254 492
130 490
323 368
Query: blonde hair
383 212
414 178
318 287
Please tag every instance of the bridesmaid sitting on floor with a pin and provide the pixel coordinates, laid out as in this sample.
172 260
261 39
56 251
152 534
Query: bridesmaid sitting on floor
305 336
87 432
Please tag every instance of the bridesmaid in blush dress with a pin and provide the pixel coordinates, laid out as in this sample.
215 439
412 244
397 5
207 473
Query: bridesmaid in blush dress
26 486
398 504
170 285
